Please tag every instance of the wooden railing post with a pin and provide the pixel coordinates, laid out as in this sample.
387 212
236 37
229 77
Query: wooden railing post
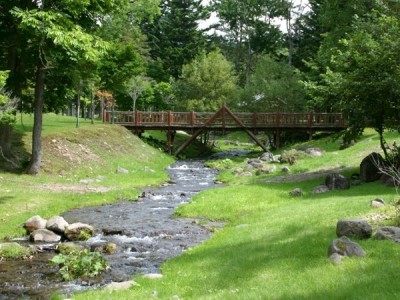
310 119
278 120
254 117
170 119
192 118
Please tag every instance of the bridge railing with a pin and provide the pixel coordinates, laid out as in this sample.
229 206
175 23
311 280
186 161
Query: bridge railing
253 120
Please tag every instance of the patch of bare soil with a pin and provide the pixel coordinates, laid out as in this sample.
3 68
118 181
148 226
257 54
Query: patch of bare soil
306 175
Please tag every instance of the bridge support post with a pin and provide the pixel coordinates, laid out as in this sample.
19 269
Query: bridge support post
277 139
170 140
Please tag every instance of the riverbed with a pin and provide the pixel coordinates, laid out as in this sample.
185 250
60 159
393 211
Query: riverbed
145 231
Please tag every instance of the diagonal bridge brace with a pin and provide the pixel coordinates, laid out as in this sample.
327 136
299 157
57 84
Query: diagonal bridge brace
222 111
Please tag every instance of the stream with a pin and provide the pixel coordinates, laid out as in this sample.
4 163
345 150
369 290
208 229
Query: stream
145 231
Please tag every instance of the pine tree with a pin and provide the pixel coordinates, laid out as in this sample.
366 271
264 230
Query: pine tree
175 38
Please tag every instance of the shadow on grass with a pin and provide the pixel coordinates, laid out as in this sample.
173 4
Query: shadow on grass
5 199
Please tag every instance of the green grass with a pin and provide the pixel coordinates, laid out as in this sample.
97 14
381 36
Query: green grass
274 246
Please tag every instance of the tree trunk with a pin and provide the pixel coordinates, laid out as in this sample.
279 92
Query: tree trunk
36 156
78 107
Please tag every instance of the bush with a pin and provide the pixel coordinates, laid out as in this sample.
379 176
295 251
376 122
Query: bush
80 264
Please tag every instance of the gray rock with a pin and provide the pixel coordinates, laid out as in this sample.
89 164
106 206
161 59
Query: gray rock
35 223
344 247
57 224
369 167
388 233
266 169
122 171
153 276
238 170
320 189
285 170
245 174
378 203
297 192
44 235
336 258
357 228
267 156
78 231
336 181
314 152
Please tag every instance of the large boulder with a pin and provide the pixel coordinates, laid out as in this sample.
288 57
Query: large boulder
44 236
344 247
388 233
78 232
369 167
35 223
357 228
336 181
57 224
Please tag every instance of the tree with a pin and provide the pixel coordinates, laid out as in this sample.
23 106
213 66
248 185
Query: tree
135 86
249 30
8 107
174 37
57 28
206 83
364 76
275 87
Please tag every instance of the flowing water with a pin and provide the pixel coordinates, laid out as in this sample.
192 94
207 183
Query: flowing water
146 234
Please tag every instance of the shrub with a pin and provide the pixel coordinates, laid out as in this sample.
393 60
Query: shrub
80 264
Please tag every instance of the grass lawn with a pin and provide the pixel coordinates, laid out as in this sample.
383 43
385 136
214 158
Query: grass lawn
274 246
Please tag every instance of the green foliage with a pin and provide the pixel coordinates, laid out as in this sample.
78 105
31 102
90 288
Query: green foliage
364 76
14 251
275 87
80 264
62 32
206 83
174 36
248 31
7 104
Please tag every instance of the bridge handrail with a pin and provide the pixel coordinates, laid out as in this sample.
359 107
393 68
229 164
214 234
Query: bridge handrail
254 120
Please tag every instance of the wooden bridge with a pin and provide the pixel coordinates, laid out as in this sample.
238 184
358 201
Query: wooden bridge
224 120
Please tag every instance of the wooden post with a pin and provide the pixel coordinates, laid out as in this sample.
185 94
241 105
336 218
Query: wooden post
170 118
310 119
254 117
277 138
170 140
192 118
